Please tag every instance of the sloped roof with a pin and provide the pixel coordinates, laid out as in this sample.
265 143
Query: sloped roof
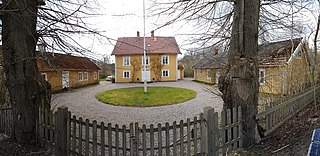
56 61
211 60
134 45
276 53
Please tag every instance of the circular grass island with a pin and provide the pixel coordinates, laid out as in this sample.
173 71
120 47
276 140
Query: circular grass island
156 96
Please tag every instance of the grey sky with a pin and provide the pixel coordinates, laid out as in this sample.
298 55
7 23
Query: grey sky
123 18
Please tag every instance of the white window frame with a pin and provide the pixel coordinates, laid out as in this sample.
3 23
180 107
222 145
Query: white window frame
123 74
95 75
87 76
208 74
148 60
126 60
168 72
45 76
162 58
80 78
262 78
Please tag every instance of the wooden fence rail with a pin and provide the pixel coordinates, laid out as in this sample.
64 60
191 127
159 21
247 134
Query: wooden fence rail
207 134
276 114
210 133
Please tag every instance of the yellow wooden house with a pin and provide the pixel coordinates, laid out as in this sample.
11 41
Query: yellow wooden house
284 67
64 71
209 68
161 59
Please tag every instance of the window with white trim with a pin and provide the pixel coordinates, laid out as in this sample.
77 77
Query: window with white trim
147 60
165 73
44 75
209 74
164 59
262 76
85 76
95 75
126 74
126 60
80 76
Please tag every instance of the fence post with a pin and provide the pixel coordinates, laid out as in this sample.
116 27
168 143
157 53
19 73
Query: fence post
209 139
61 147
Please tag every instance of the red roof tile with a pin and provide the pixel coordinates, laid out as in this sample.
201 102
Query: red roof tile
55 61
134 45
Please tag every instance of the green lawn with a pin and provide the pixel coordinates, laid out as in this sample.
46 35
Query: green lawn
156 96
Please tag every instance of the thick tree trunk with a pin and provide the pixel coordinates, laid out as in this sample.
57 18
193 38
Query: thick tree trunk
26 87
240 83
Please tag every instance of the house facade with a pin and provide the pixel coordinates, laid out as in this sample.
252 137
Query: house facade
284 67
66 71
161 59
209 68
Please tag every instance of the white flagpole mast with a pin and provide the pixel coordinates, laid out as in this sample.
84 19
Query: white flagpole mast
144 50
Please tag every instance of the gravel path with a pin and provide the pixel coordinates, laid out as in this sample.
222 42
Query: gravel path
82 102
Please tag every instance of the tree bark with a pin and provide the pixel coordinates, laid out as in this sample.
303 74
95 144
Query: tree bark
27 89
240 82
314 74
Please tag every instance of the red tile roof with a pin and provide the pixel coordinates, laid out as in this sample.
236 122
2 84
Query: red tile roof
134 45
56 61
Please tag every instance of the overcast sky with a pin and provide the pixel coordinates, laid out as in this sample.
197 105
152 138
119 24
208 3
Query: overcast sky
123 18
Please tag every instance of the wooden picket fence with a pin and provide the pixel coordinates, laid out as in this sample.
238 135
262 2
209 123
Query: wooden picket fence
278 112
6 121
207 134
210 133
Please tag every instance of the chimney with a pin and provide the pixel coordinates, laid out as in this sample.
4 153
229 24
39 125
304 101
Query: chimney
152 36
138 34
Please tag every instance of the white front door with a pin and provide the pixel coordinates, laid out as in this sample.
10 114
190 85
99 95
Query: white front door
65 79
146 74
179 74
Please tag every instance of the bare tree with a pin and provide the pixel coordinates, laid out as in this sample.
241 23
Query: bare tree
21 31
213 21
240 86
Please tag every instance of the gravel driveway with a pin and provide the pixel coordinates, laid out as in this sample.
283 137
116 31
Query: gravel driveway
82 103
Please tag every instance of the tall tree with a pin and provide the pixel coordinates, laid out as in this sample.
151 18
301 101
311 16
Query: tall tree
58 22
26 87
240 85
248 19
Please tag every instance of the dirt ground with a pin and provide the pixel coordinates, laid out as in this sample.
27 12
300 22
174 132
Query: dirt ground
291 139
9 148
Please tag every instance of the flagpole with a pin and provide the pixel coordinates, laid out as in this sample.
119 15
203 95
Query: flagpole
144 50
